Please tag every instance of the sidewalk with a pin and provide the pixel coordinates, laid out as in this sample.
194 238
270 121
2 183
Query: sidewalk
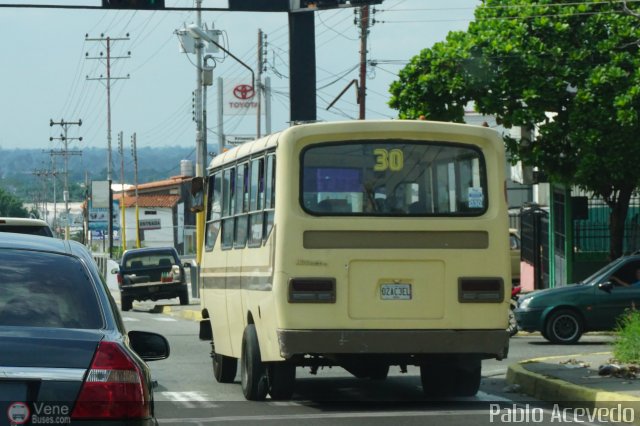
573 381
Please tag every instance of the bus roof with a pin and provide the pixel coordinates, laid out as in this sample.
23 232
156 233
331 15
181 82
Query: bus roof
352 126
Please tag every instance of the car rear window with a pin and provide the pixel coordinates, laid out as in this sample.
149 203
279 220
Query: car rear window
44 231
144 260
40 289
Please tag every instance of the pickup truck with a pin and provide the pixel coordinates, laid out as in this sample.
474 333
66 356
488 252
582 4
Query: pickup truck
151 273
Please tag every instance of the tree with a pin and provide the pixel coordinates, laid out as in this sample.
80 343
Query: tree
11 206
572 69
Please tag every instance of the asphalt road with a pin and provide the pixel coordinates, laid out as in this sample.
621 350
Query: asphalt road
188 394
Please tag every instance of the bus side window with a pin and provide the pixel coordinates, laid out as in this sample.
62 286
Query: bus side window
242 205
270 196
214 210
257 203
227 208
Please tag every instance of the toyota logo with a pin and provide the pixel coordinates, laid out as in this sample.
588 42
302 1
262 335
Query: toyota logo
243 91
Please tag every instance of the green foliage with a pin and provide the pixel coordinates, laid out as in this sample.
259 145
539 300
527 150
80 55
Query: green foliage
572 70
627 345
11 205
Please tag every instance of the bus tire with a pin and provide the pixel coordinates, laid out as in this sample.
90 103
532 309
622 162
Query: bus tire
224 368
282 378
468 375
436 379
126 303
379 372
253 375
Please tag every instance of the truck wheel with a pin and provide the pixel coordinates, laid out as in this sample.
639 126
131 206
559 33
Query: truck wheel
184 297
126 303
282 378
224 368
253 375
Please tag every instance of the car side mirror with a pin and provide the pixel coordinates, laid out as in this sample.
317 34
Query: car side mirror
186 265
150 346
606 286
115 270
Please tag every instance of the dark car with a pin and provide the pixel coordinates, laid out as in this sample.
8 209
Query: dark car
151 273
563 314
65 352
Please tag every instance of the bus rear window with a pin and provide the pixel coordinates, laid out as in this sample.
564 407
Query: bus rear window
393 178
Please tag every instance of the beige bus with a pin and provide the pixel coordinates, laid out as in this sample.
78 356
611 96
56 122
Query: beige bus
361 244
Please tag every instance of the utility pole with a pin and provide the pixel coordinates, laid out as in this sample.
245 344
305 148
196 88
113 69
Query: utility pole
65 153
123 231
107 42
134 153
364 32
267 105
201 150
258 87
220 115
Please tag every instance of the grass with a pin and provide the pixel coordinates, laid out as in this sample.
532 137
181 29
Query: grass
627 345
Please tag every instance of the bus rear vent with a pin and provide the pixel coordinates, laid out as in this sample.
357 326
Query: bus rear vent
480 290
312 290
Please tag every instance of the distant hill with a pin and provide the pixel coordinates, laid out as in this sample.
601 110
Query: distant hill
17 168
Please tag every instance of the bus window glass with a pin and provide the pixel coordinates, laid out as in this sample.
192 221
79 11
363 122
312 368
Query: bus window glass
241 190
214 212
393 178
270 182
228 207
255 229
257 185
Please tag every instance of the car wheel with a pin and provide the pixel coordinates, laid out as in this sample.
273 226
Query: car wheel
224 368
282 378
563 326
252 370
184 297
126 303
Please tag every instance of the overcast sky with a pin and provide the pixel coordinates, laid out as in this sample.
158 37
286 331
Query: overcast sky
43 72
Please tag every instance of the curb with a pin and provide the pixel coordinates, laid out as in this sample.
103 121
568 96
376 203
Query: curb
551 389
187 314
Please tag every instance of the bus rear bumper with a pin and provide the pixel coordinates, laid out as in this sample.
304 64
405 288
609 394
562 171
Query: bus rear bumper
485 343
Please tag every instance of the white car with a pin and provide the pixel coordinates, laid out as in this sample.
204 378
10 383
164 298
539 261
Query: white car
22 225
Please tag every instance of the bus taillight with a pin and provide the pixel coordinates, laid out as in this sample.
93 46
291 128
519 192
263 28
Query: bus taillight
479 290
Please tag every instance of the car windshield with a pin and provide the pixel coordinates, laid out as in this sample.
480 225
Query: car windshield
46 290
393 178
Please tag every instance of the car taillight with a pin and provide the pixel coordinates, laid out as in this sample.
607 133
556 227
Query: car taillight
119 277
114 387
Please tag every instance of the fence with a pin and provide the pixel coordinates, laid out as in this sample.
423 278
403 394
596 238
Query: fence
592 234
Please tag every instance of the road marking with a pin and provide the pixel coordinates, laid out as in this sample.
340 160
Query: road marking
165 319
347 415
190 399
130 319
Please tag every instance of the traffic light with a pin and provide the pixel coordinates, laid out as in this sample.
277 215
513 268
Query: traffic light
329 4
294 5
133 4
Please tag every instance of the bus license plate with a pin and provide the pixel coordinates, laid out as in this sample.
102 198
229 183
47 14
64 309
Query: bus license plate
395 292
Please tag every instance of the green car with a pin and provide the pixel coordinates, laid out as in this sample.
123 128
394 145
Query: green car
563 314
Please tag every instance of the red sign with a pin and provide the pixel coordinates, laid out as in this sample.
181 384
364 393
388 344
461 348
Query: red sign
243 91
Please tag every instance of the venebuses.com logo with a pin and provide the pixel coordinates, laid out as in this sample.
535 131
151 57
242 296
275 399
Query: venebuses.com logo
19 413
